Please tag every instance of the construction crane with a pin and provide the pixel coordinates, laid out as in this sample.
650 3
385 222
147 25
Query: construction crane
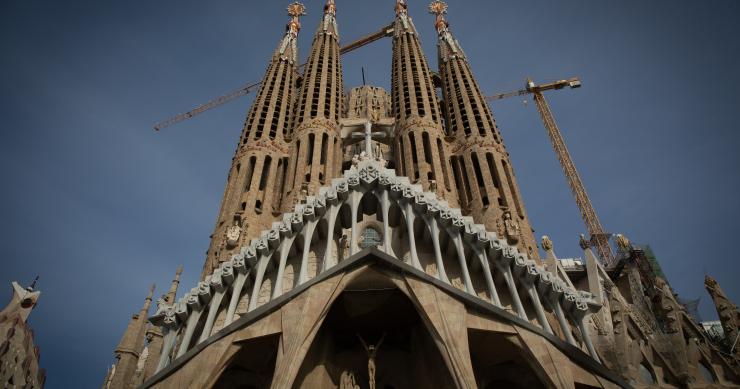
599 238
383 32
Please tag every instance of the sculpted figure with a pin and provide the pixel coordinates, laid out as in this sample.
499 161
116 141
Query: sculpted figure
667 306
616 311
232 235
372 352
500 231
347 381
512 228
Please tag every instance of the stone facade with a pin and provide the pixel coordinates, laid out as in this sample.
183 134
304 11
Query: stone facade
380 240
19 357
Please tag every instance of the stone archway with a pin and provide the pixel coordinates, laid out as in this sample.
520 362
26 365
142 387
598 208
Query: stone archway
252 367
371 309
498 363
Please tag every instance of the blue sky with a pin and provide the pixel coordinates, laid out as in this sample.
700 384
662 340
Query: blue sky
101 206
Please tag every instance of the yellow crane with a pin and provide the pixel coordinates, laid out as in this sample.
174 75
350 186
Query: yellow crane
599 238
383 32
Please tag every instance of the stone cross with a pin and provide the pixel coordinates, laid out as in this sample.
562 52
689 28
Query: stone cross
369 135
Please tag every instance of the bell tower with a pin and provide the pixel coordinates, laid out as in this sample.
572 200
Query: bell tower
421 151
486 186
254 186
315 149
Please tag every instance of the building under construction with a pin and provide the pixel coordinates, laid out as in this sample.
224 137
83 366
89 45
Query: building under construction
378 239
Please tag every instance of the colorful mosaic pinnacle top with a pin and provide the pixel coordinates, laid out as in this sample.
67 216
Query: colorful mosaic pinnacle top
401 7
296 9
330 7
439 8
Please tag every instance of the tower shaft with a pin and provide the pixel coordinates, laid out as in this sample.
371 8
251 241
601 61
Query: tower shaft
254 185
131 346
483 174
315 150
421 150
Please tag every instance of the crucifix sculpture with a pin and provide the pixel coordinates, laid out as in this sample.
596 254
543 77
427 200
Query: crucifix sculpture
372 352
369 135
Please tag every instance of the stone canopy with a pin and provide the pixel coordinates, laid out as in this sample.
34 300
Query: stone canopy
458 276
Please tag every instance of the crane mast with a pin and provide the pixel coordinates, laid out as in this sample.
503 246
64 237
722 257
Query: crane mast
599 238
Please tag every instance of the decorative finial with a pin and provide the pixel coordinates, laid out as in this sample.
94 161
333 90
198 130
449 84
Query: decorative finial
151 292
33 284
583 242
295 10
710 281
330 7
401 7
546 243
439 8
178 272
623 243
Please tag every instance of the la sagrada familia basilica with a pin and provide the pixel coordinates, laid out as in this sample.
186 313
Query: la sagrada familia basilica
369 239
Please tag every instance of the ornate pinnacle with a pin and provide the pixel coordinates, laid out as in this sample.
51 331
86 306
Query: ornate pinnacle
623 243
583 242
296 9
439 8
330 7
401 7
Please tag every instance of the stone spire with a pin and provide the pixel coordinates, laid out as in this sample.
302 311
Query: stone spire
171 295
315 150
421 151
22 302
253 189
19 357
131 346
727 311
486 185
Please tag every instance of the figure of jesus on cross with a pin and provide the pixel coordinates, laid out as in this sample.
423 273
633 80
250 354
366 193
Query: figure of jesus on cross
372 352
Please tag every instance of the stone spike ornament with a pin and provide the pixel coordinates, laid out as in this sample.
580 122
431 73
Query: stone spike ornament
728 314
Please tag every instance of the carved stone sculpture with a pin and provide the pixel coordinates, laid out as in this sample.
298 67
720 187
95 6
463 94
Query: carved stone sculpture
372 352
347 381
512 228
